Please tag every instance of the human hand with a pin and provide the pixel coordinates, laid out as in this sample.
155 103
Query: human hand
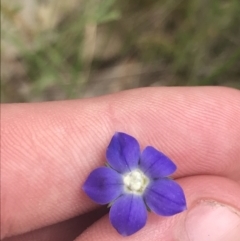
48 150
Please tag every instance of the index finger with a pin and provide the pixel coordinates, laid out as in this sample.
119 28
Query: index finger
48 149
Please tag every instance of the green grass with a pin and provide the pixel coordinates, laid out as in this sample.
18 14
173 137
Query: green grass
198 40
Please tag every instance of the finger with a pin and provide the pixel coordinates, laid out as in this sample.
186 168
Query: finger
213 214
65 231
49 149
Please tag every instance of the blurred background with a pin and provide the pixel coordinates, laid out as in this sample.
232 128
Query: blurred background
53 50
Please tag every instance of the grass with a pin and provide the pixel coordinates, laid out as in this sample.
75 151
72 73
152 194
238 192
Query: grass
197 40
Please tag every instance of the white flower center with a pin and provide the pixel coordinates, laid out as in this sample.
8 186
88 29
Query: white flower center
135 181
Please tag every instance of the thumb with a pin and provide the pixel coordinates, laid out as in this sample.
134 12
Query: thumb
213 214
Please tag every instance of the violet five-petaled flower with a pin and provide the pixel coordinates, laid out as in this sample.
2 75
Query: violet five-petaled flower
134 182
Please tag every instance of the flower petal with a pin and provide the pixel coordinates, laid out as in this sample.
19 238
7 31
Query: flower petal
128 214
155 164
103 185
165 197
123 152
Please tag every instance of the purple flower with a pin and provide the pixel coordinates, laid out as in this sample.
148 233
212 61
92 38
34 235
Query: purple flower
134 182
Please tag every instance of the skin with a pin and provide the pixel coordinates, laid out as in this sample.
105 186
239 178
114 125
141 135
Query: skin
48 150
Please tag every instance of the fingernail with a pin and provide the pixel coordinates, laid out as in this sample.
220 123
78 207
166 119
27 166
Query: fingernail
212 221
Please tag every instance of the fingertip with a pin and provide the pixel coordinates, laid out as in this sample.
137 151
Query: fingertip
210 215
